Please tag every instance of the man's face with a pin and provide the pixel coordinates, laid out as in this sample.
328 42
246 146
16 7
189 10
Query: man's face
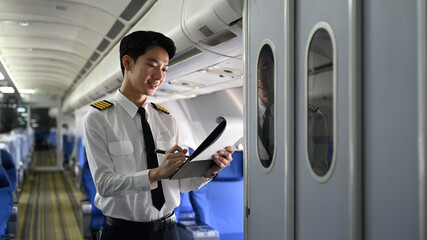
148 72
265 78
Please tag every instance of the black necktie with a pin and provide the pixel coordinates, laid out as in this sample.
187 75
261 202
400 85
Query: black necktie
156 194
266 131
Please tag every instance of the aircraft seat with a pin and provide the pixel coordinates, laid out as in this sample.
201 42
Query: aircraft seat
220 203
53 142
6 201
93 219
9 165
42 140
80 160
184 211
10 168
67 146
11 144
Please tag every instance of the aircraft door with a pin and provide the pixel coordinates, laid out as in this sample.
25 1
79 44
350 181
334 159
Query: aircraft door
265 178
322 177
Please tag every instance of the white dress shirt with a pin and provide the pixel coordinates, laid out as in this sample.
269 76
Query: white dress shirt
116 154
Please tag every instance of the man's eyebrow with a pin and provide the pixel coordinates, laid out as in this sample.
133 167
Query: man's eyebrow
155 60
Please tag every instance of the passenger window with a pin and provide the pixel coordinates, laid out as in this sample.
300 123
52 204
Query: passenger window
266 114
320 101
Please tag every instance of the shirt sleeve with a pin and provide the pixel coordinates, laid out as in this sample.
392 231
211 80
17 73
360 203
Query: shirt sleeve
108 182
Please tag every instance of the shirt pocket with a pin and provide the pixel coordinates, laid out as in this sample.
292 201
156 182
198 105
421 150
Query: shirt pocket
122 156
164 145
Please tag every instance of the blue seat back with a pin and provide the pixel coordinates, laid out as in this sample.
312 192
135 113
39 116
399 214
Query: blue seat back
53 141
9 165
81 154
185 210
90 190
220 203
6 200
67 146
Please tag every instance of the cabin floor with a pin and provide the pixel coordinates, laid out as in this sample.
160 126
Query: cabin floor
49 204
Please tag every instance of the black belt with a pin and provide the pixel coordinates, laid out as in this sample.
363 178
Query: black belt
143 226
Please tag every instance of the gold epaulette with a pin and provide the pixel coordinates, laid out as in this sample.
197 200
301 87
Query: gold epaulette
160 108
101 105
313 107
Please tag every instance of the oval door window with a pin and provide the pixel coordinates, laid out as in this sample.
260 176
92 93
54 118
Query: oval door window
265 84
320 100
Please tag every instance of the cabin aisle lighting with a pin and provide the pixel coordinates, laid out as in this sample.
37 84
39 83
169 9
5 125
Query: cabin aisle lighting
26 91
7 90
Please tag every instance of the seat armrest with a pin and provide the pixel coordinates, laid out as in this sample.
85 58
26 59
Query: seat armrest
7 237
87 219
190 230
12 224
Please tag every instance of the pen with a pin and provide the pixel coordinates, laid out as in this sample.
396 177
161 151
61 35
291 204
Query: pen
163 152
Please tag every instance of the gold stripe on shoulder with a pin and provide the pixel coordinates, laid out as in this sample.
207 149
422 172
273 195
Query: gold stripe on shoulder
101 105
160 108
313 107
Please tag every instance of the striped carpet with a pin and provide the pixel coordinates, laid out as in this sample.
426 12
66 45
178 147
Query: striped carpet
49 205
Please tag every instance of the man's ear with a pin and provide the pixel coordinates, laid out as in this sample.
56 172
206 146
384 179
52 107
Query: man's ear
127 62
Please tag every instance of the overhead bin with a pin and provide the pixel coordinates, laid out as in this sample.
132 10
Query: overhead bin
205 32
206 21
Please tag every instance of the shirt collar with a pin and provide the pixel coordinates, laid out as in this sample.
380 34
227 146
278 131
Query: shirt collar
262 108
128 105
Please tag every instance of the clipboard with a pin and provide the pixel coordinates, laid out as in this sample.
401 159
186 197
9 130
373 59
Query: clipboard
196 168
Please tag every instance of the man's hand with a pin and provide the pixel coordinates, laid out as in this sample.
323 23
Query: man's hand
174 158
222 159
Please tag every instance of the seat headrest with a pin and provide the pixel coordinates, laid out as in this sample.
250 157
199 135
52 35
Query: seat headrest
7 159
4 179
234 172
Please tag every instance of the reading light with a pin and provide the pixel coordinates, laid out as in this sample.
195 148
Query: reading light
17 23
24 24
27 91
7 90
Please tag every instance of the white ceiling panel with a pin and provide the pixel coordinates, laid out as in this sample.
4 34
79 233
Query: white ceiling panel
33 64
62 47
17 55
49 45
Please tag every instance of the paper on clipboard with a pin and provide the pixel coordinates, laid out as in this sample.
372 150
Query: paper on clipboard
227 133
233 131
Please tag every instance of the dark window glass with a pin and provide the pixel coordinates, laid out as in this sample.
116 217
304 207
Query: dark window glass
266 115
320 98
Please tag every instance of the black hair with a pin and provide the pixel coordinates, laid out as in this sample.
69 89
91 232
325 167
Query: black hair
266 49
136 44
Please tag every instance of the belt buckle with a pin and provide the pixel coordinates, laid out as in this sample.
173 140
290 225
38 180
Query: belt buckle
162 224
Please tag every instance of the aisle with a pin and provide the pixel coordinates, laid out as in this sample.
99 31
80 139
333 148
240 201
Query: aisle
49 205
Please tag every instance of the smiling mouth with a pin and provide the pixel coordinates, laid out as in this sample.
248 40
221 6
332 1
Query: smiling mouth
154 84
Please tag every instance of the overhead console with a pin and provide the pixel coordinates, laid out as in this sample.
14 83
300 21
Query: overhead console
205 32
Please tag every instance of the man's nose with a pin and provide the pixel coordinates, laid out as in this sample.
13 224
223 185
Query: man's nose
158 74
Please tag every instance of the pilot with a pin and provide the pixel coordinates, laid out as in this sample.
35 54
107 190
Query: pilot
265 78
317 140
133 190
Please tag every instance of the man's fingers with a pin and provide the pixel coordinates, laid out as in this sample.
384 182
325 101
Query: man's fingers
221 161
174 149
230 149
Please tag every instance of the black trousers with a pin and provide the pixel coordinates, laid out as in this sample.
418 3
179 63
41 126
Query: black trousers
113 233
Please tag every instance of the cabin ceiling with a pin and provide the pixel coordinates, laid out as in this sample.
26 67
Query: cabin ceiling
67 49
48 45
